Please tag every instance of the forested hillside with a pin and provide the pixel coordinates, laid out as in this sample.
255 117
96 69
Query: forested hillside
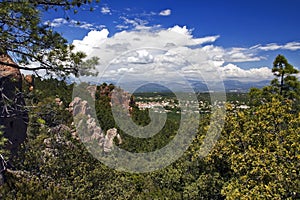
256 157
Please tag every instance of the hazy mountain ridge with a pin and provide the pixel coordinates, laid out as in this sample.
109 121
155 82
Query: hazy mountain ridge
198 86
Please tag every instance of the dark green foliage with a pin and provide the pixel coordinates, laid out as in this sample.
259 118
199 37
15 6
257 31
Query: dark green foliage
43 108
285 82
140 117
45 88
104 113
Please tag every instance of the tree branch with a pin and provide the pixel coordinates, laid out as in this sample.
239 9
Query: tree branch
21 67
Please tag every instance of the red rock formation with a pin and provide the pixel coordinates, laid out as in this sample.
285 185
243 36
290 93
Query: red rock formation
117 96
13 117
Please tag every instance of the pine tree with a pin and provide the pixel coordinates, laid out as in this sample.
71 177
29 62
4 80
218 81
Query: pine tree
27 38
286 82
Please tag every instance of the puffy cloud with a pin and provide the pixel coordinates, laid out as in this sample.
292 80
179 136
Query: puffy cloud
88 43
166 12
181 30
231 71
140 56
156 54
242 55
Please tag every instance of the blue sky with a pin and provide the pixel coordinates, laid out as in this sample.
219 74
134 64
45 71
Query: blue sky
248 34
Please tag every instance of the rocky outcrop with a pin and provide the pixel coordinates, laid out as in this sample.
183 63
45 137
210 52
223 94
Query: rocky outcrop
79 106
120 98
87 128
117 96
13 116
108 140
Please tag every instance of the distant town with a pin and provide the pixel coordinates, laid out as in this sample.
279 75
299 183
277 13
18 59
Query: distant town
165 103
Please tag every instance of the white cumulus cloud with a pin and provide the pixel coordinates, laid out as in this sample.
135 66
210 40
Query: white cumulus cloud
231 71
93 39
140 56
165 54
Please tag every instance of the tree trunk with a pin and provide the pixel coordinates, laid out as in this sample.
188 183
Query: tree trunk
281 83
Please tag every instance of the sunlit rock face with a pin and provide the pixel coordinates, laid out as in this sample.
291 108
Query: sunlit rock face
13 116
108 140
89 130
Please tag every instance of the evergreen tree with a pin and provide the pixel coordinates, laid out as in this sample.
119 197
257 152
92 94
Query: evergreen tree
285 83
27 38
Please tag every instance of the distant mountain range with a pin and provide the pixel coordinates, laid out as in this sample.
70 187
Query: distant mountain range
234 85
198 86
